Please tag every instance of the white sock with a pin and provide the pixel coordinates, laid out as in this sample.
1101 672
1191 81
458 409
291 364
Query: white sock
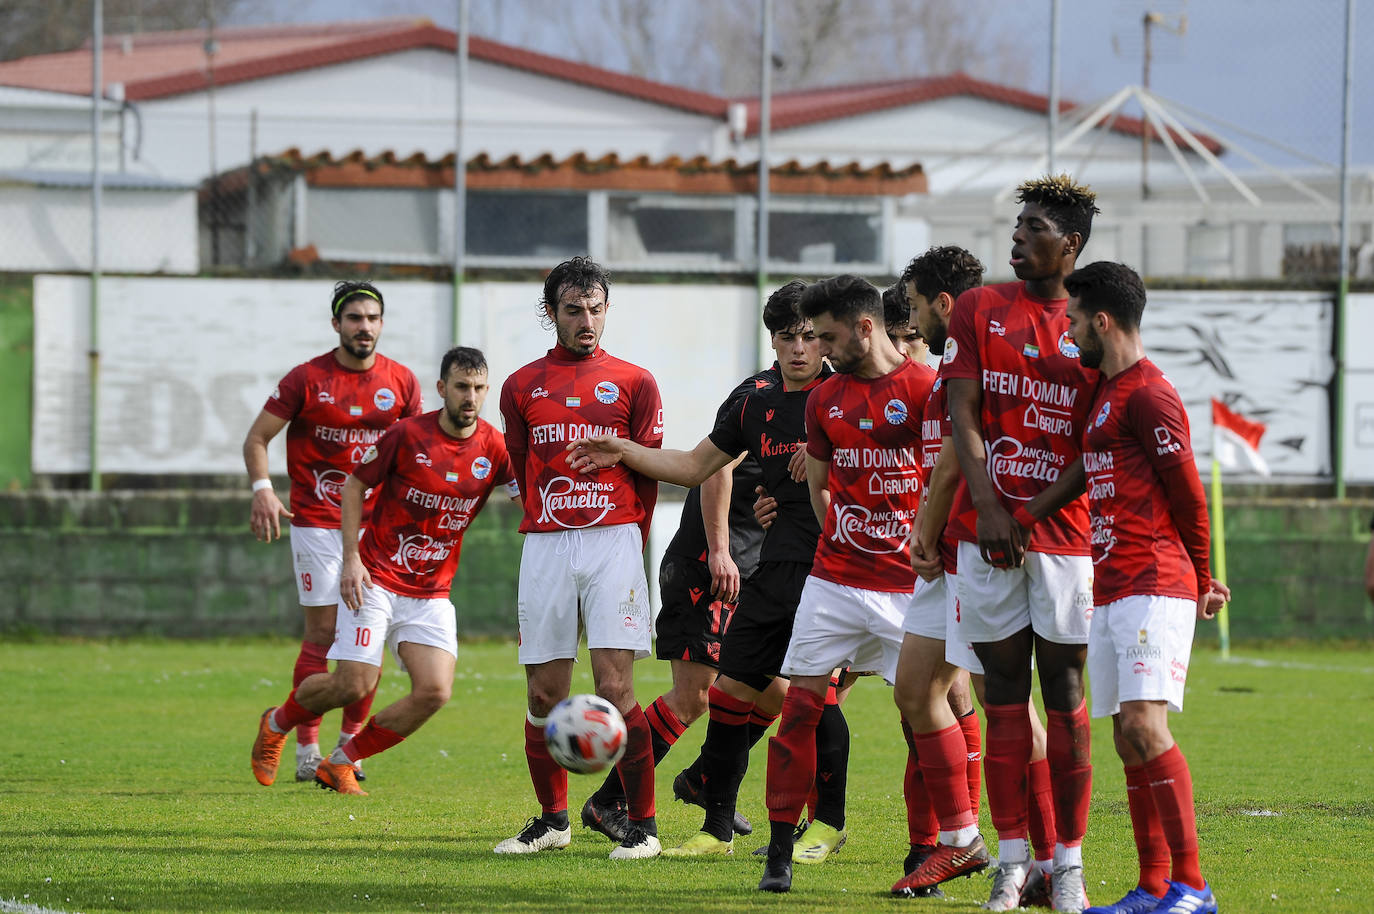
272 723
1068 856
337 757
1013 850
959 837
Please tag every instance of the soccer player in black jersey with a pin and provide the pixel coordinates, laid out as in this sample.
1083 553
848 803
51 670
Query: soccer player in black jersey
769 424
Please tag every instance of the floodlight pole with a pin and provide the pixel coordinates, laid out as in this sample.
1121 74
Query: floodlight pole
1343 283
1053 124
460 183
765 120
93 354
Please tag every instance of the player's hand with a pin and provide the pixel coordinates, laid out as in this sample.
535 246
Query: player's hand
1001 540
587 455
352 579
724 576
765 507
796 467
926 563
1210 603
266 514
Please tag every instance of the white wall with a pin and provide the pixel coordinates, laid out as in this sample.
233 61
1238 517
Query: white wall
405 102
144 231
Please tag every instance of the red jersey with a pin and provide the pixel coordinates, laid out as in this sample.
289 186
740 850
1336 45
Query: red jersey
335 413
869 430
935 427
1036 397
1139 428
560 398
428 487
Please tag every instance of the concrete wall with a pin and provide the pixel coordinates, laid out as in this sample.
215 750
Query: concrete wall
183 564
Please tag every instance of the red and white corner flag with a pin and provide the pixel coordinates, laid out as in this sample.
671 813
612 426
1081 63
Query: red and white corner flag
1235 441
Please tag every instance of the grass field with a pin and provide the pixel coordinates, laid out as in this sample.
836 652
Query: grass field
125 786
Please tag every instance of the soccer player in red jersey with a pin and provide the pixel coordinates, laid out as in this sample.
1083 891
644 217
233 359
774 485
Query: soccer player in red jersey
903 332
429 476
1152 580
337 405
933 283
1018 402
582 564
863 475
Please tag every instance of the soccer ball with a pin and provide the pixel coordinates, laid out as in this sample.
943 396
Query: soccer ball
585 734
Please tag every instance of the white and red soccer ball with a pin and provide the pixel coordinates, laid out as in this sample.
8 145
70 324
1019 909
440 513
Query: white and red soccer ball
585 734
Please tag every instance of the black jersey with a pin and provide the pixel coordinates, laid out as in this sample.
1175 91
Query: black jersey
770 423
746 536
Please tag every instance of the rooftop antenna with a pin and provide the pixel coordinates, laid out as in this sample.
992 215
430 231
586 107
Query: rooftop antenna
1178 25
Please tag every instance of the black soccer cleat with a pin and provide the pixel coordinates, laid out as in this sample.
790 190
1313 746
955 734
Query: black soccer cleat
689 790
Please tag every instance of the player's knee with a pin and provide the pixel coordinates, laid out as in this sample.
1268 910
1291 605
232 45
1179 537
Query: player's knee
432 696
619 692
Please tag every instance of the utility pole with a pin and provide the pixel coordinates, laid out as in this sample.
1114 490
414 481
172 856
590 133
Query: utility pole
1146 132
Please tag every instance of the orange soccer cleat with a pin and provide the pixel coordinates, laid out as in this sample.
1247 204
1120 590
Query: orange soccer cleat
338 778
267 750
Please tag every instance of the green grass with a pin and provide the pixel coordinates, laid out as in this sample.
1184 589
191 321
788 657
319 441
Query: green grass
124 786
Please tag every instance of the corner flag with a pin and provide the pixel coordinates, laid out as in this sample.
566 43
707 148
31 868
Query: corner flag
1235 440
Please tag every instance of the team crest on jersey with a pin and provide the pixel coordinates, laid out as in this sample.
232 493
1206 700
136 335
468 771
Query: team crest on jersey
607 392
355 410
276 393
951 350
450 476
1102 415
370 454
384 399
939 382
1067 347
1031 351
866 425
895 412
481 468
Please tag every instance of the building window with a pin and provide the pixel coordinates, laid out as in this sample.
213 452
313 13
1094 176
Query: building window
682 230
374 223
502 223
1209 251
821 234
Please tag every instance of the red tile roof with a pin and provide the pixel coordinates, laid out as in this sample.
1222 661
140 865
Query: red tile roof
811 106
579 172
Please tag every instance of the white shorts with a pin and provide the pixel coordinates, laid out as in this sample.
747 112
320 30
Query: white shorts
839 626
317 554
932 613
1139 651
388 618
592 579
1053 594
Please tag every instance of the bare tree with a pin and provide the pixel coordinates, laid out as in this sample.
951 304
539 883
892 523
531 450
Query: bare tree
30 27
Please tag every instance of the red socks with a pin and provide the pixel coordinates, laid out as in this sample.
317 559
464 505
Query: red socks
1171 785
1040 819
943 757
292 714
1008 750
356 714
1151 847
792 755
1069 749
636 768
973 746
311 660
665 725
550 779
371 740
921 823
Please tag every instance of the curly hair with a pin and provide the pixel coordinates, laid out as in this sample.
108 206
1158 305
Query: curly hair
1070 205
580 273
944 268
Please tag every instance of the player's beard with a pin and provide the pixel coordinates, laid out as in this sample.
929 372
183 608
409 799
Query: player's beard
1090 350
361 349
460 421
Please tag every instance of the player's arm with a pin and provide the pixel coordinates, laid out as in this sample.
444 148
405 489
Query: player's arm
267 511
683 468
940 489
818 484
1070 484
716 492
999 537
353 577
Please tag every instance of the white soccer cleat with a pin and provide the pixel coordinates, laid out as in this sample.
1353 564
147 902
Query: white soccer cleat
306 765
537 835
1067 892
1007 883
638 845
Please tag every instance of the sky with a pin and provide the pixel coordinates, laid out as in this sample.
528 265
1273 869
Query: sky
1274 68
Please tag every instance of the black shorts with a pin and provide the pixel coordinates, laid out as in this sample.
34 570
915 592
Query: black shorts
756 641
691 622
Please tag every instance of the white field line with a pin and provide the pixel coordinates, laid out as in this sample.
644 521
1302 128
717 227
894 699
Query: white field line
11 906
1294 665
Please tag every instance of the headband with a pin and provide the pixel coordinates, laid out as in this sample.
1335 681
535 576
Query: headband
340 301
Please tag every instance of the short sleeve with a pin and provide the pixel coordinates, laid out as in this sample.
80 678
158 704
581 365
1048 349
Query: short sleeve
646 418
961 359
818 443
288 396
1158 421
728 435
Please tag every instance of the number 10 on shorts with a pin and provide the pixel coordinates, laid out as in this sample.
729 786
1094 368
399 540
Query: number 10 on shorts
362 637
